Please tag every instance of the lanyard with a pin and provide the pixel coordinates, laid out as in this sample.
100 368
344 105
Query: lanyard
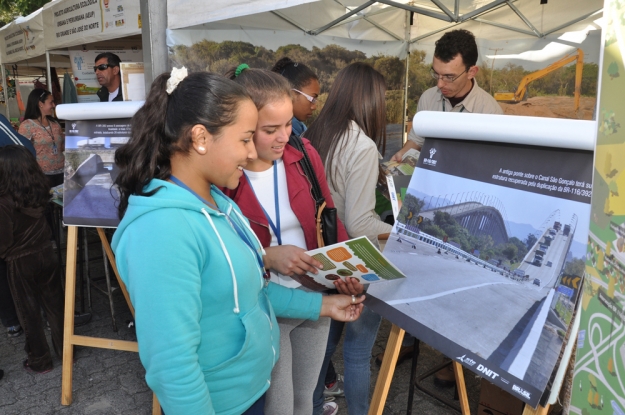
237 228
461 109
275 227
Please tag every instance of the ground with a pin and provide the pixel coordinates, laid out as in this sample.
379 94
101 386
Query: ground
552 107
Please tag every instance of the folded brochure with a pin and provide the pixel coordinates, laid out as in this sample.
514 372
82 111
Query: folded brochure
356 258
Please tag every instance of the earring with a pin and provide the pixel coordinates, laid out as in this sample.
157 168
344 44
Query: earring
201 148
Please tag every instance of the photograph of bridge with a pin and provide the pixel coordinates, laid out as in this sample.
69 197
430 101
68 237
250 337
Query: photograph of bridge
492 275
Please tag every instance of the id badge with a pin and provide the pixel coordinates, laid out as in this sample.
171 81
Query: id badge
54 149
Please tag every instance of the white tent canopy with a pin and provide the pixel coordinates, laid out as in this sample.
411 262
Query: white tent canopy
520 25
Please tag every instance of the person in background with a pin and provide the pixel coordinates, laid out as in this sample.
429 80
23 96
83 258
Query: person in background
348 132
454 67
34 270
8 315
46 134
106 70
276 198
305 87
195 271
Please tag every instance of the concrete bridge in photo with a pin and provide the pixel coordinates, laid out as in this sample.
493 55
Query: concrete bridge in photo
475 217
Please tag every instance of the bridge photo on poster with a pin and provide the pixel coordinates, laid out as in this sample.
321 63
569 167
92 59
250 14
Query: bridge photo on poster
491 237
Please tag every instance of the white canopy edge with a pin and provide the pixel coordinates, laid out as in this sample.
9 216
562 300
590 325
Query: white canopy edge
535 131
98 110
185 13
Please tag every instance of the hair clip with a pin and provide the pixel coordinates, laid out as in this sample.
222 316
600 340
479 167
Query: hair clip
176 76
240 69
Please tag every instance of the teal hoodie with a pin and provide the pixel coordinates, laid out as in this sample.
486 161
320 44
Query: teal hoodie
205 321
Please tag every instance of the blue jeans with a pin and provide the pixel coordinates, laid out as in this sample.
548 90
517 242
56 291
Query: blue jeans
359 338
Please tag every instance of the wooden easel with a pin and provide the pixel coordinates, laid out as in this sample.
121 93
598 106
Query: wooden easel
69 338
387 370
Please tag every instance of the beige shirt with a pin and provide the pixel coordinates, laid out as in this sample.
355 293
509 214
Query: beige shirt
477 101
353 182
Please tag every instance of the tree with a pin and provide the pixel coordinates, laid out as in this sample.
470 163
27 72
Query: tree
393 70
510 251
411 207
530 240
10 9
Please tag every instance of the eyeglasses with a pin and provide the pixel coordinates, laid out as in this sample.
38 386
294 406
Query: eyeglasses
445 78
102 67
310 99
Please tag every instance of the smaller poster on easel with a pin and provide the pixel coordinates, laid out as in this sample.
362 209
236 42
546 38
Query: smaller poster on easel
90 197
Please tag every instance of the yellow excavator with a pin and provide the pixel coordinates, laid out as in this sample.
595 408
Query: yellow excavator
522 89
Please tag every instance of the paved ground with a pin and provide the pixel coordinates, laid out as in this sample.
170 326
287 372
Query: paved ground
112 382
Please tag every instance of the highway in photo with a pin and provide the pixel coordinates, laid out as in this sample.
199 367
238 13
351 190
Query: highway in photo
496 315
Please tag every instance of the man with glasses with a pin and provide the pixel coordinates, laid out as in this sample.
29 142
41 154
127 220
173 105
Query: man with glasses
106 69
454 68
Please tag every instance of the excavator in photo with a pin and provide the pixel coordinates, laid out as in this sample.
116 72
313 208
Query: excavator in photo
521 91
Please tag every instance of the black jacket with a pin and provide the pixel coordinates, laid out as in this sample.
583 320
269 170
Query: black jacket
103 94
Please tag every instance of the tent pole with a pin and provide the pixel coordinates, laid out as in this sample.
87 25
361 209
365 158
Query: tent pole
404 133
6 90
154 39
48 72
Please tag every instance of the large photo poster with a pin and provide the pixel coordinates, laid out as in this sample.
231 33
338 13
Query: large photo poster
492 238
89 195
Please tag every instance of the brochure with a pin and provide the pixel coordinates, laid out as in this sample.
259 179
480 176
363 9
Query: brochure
356 258
398 177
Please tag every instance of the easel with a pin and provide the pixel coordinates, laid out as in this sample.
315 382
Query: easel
69 338
387 370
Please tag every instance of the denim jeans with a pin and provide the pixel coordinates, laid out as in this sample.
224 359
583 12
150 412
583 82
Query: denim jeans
359 338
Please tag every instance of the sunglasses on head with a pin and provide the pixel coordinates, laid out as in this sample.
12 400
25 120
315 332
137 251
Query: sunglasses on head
102 67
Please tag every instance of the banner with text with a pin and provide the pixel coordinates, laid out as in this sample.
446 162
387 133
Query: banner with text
79 22
22 39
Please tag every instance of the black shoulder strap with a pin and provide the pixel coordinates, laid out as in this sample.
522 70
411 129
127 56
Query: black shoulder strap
309 170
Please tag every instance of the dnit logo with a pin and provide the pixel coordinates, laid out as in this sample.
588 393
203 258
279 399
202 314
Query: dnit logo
486 371
430 161
466 360
73 130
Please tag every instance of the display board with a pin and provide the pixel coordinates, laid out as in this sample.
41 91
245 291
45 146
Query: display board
599 376
80 22
490 237
89 196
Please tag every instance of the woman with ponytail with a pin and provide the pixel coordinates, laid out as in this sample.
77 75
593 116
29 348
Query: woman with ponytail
275 196
204 307
305 90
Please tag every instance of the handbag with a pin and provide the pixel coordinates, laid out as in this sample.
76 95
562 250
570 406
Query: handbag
325 218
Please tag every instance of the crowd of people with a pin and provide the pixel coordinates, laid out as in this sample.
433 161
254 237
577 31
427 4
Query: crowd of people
217 214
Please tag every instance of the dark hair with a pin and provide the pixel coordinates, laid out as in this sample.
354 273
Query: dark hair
298 74
111 58
22 179
358 94
457 42
162 127
262 85
36 96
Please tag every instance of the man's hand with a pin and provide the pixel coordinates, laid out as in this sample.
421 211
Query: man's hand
400 154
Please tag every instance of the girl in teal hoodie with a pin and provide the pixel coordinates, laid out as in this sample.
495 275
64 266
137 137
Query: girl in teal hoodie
205 312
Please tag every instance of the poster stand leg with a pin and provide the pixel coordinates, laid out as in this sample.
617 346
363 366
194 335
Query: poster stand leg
69 338
383 383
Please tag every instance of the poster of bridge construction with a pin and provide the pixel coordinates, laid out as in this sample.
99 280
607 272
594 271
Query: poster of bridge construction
491 238
89 197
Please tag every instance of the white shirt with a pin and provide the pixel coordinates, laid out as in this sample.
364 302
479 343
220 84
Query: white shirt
113 94
291 231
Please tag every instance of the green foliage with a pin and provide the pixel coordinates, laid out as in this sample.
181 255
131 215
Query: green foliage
10 9
574 267
530 240
411 207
